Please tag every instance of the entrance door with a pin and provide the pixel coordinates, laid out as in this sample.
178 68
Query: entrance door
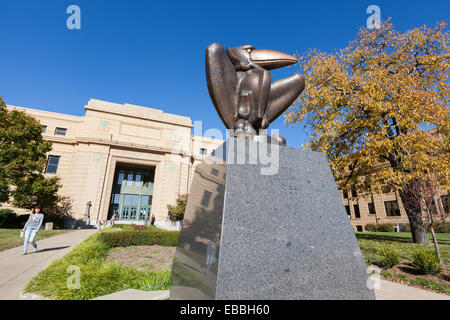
129 207
132 191
145 208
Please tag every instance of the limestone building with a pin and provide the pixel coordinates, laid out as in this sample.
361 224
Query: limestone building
123 159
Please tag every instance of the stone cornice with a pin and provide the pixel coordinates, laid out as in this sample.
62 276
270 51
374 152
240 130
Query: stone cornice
114 143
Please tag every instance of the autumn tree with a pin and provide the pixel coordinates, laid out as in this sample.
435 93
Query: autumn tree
364 106
22 161
423 194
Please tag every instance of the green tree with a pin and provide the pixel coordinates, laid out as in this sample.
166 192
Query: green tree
179 209
22 161
364 106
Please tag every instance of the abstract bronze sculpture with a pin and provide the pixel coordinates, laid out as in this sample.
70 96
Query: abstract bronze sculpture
240 87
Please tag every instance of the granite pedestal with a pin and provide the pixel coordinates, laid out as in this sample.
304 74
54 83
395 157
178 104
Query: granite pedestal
266 224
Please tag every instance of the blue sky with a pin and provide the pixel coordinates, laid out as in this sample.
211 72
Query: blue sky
151 53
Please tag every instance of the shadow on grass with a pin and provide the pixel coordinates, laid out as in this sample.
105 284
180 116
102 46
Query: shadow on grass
382 237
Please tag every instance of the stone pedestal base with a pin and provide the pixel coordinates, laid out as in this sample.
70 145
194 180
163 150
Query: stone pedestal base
263 229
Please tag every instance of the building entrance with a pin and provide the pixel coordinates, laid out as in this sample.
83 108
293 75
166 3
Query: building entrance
132 193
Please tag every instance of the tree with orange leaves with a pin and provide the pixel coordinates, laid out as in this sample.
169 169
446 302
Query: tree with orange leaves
364 106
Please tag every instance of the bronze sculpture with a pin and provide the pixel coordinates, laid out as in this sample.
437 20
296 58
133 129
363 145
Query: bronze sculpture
240 87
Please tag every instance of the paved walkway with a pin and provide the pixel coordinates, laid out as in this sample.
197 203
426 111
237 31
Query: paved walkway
388 291
396 291
16 270
132 294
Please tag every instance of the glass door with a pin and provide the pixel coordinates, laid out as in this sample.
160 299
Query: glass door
145 208
131 196
129 207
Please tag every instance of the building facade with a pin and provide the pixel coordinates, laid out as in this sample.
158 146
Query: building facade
123 159
381 208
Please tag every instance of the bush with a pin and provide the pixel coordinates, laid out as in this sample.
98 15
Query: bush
443 227
151 237
8 218
177 212
58 221
426 261
406 228
390 256
380 227
133 227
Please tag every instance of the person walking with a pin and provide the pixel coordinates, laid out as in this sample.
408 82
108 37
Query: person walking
153 220
31 228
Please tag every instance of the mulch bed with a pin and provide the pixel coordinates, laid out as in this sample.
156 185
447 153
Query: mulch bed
406 269
144 258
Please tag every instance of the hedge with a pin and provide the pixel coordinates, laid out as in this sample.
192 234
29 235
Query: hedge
127 238
10 220
442 227
380 227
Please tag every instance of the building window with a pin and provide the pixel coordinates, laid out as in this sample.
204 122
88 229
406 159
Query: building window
120 177
60 131
138 178
345 194
52 164
148 178
206 197
392 209
203 151
354 194
359 228
130 176
347 208
356 210
214 172
371 206
44 129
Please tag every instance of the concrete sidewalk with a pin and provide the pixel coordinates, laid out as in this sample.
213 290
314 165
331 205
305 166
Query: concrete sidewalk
388 291
16 270
396 291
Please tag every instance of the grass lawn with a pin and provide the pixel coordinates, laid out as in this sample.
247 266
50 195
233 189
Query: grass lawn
370 242
10 238
98 277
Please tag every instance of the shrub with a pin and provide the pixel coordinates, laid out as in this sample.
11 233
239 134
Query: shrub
385 227
380 227
58 221
139 227
177 212
406 228
443 227
390 256
8 218
132 227
151 237
426 261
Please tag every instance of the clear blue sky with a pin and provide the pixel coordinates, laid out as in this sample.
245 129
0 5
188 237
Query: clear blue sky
151 53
